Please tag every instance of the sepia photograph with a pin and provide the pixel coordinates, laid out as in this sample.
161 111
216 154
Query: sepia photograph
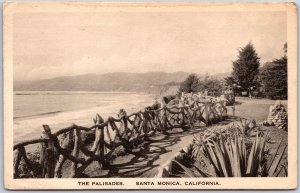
150 95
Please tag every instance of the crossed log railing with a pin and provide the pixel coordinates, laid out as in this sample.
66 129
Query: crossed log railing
84 145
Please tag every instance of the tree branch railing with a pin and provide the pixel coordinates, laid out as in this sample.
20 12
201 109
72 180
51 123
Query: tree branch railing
84 145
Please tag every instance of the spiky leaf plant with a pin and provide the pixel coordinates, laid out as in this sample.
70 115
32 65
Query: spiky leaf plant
236 155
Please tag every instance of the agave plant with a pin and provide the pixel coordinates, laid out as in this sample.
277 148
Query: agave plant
232 159
248 128
245 128
207 137
237 156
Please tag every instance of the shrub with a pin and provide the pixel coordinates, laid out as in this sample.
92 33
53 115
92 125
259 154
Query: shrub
190 84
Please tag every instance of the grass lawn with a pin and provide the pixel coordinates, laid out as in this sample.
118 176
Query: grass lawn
257 109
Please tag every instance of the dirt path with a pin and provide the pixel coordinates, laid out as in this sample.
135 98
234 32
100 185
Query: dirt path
151 155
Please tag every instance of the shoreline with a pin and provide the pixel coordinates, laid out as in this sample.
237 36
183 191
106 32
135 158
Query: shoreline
31 126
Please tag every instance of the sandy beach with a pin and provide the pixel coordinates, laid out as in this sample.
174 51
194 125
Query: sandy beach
106 104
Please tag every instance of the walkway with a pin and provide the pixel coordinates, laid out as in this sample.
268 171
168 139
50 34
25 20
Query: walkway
152 154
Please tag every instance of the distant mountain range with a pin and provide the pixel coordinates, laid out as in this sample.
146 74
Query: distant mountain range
118 81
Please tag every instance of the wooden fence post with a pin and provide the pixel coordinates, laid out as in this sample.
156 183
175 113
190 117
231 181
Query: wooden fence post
67 142
97 139
17 159
183 120
206 113
164 120
49 154
98 146
42 151
101 147
75 153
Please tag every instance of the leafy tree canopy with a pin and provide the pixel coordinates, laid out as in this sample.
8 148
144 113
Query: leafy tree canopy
245 68
190 84
274 78
194 84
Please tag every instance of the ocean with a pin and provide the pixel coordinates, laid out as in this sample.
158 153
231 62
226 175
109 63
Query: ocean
60 109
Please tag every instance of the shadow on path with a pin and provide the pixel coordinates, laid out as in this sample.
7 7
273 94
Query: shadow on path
152 153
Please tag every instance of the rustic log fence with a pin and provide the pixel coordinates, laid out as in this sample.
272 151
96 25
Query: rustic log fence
84 145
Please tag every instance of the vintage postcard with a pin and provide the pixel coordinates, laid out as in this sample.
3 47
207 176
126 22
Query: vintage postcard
150 95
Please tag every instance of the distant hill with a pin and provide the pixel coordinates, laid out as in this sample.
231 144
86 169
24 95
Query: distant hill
119 81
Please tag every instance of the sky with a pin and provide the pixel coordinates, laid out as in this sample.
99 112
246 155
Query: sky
47 45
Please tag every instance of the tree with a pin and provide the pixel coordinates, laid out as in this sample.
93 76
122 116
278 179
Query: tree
212 85
245 68
190 84
193 84
230 82
274 77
